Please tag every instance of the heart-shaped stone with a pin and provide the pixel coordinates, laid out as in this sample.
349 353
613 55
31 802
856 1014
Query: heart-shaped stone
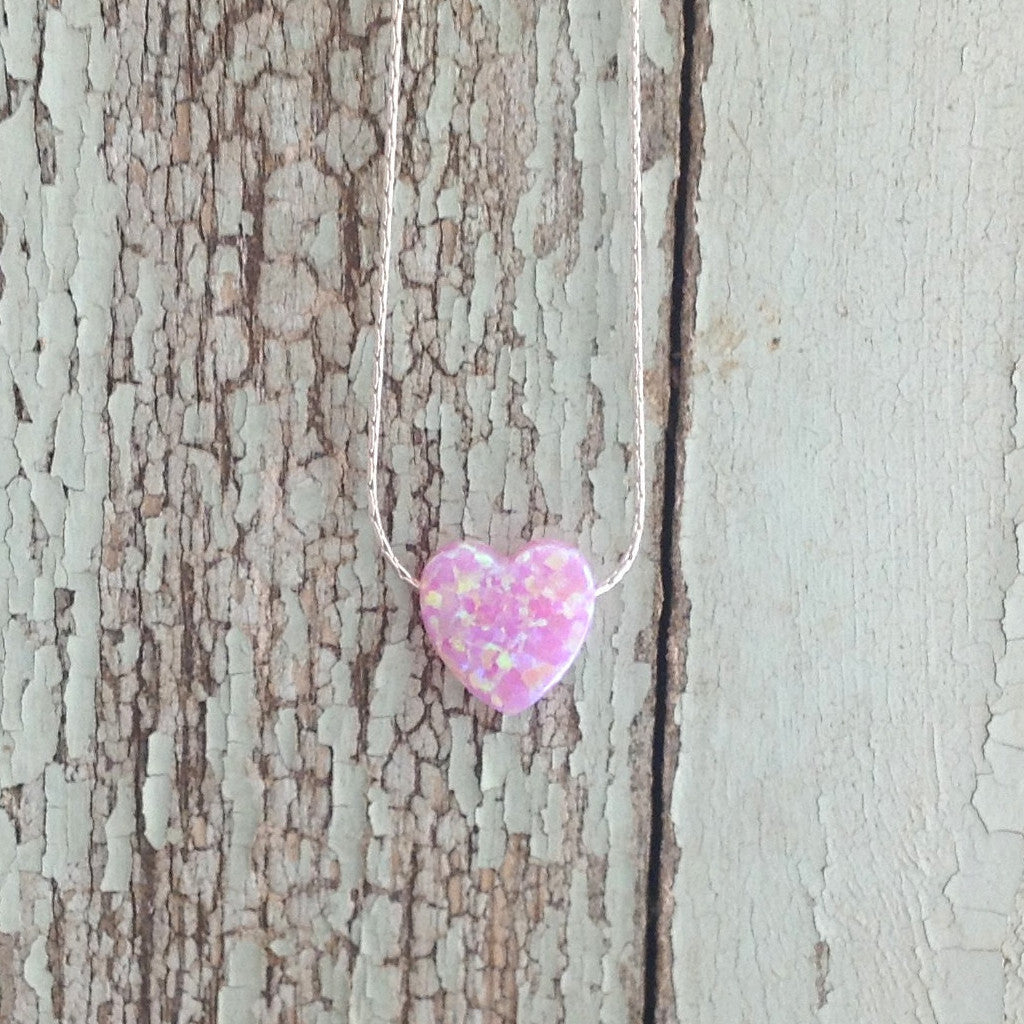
507 628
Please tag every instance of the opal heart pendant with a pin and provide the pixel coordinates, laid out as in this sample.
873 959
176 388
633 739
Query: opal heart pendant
508 628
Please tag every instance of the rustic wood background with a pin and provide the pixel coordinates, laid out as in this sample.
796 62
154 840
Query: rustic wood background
785 781
849 805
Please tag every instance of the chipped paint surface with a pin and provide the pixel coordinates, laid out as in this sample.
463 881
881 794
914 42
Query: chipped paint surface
58 250
233 785
848 809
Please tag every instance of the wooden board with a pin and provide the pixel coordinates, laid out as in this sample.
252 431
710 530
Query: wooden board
848 805
233 786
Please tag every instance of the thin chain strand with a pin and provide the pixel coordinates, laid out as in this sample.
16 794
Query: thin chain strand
639 436
381 303
390 160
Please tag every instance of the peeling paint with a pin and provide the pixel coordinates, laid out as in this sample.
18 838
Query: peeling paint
848 809
58 248
233 783
157 789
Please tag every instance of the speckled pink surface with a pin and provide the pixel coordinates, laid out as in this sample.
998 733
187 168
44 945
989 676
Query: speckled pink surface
507 628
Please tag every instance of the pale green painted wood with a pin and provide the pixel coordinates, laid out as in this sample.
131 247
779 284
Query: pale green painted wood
233 786
848 809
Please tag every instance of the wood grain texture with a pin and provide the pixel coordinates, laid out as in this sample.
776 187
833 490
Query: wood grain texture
233 786
848 804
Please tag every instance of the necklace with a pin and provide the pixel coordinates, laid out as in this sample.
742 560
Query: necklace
507 628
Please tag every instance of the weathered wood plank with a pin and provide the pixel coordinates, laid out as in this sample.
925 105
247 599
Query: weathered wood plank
58 254
234 785
848 807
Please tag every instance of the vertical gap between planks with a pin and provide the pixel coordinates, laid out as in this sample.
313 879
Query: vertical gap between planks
673 619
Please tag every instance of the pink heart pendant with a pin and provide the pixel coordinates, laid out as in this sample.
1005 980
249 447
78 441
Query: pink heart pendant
507 628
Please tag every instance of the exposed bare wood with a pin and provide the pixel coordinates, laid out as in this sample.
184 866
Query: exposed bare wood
234 786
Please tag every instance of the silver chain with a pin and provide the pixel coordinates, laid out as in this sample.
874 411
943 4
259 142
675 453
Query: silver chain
384 282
